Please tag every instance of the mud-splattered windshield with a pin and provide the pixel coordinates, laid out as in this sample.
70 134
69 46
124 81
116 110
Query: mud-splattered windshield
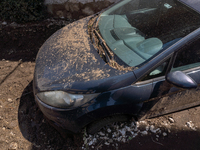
137 30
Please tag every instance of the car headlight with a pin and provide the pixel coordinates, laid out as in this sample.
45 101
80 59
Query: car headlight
64 100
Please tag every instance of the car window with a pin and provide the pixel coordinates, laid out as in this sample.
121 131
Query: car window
138 30
188 57
158 72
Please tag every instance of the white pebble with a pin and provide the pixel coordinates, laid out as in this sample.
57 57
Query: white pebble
171 120
153 130
4 23
123 132
128 128
124 140
164 134
90 143
106 143
13 145
101 133
108 130
144 132
10 100
191 125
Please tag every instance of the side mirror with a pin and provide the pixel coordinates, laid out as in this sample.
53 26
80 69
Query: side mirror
181 80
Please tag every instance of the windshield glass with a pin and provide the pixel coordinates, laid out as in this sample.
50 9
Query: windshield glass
137 30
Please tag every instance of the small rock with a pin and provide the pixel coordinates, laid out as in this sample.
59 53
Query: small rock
10 100
164 134
171 120
132 132
143 122
165 123
123 132
147 127
191 125
13 24
90 143
137 124
119 138
94 140
136 134
123 140
144 133
13 124
105 138
106 143
108 130
153 130
101 133
85 141
12 133
13 146
3 128
133 124
4 23
157 136
128 128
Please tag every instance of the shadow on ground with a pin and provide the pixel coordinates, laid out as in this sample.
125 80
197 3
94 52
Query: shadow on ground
35 128
176 140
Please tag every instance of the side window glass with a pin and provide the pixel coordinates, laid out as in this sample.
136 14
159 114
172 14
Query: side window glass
188 57
158 72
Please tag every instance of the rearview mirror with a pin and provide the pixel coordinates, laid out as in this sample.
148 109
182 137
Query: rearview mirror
180 80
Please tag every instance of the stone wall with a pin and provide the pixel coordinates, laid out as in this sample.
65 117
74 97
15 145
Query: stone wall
76 9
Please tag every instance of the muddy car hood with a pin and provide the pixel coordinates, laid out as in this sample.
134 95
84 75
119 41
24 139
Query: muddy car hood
68 61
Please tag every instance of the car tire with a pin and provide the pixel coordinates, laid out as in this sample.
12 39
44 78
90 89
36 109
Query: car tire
99 124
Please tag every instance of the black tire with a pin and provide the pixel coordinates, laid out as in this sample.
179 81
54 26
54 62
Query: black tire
99 124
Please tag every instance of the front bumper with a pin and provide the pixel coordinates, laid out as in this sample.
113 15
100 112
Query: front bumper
72 120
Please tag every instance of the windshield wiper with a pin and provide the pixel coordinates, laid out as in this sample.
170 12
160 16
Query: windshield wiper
103 45
108 53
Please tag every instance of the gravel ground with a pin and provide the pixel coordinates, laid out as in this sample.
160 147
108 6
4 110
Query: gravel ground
23 126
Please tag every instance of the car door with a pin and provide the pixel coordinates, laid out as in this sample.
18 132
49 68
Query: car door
167 98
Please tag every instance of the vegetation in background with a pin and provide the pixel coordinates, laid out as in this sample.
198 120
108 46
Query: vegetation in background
22 10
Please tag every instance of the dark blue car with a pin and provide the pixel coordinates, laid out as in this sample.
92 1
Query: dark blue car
119 64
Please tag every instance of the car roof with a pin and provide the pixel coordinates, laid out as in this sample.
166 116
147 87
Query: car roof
195 4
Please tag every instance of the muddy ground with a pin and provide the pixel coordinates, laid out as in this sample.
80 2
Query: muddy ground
22 125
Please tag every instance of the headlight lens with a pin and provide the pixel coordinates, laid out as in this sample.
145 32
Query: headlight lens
64 100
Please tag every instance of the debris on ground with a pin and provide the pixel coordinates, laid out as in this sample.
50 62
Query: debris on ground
190 124
121 133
